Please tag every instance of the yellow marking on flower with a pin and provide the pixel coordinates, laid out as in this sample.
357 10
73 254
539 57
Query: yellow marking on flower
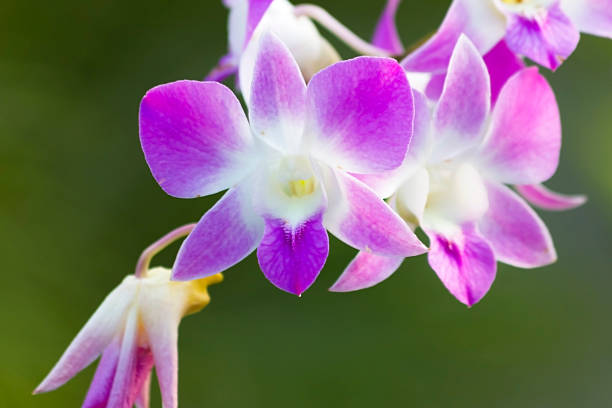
513 1
301 188
197 293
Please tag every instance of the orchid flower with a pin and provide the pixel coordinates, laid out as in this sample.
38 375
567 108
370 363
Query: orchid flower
287 171
134 329
546 31
249 18
452 182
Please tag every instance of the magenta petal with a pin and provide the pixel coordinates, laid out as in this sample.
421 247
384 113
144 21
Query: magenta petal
542 197
195 137
477 19
255 12
225 235
501 63
465 264
99 390
291 257
359 115
385 34
361 219
524 140
464 103
590 16
366 270
278 95
516 233
547 40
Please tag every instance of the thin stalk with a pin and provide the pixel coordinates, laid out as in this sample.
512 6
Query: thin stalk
351 39
145 258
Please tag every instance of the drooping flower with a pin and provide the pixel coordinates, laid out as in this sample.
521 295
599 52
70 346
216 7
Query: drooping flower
134 329
249 18
286 170
546 31
452 183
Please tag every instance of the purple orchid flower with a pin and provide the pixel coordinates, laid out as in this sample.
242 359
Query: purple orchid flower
249 18
546 31
452 182
287 172
134 329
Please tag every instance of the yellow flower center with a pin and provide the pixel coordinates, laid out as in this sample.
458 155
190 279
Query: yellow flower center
301 188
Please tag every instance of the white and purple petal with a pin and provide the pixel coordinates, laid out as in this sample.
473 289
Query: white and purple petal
195 138
464 104
501 63
359 115
590 16
542 197
361 219
516 233
524 139
278 95
366 270
225 235
464 262
291 256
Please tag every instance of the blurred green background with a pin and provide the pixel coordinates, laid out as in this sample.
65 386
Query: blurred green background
78 205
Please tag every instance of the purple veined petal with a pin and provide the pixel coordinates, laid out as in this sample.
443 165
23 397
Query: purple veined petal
359 115
225 235
99 390
385 34
278 95
195 138
590 16
540 196
291 256
365 271
93 338
464 262
501 63
464 104
516 233
480 20
547 40
359 218
387 183
524 138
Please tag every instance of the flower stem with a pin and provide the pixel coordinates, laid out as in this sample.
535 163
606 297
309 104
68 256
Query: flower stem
322 17
145 258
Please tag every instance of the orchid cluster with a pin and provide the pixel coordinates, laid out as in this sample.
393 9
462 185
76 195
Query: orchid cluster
454 140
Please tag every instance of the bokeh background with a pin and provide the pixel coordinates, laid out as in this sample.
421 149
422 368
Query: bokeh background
77 205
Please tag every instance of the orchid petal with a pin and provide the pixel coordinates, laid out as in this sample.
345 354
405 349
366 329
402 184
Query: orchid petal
385 34
195 138
291 257
225 235
464 262
359 115
591 16
547 40
142 400
361 219
366 270
93 338
412 195
464 103
479 20
123 394
244 17
278 95
542 197
501 63
516 233
524 139
99 390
